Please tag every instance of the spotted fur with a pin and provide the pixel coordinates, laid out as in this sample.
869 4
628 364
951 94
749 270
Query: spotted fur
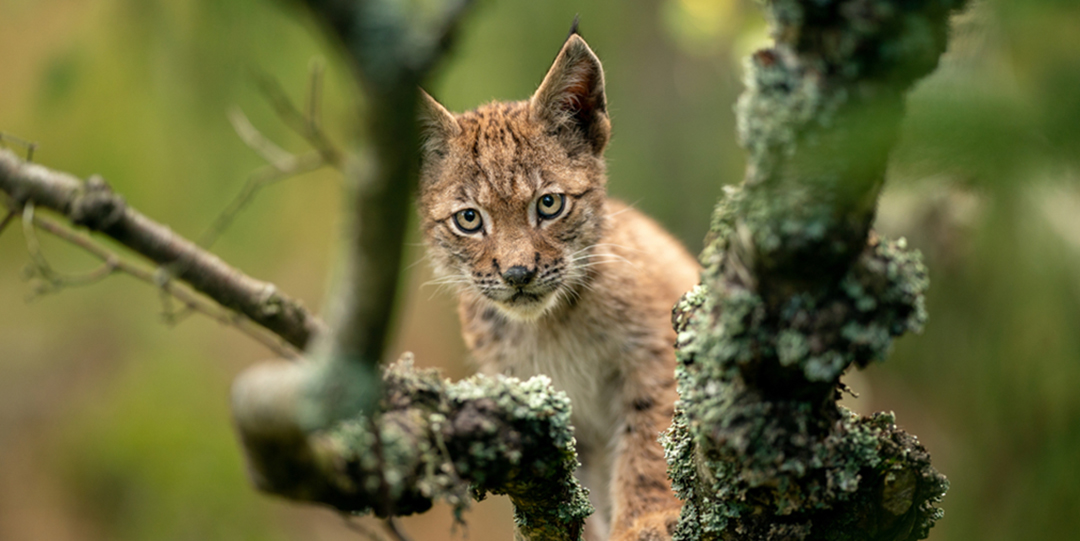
583 297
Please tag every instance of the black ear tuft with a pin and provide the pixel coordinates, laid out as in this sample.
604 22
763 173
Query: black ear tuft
571 100
574 27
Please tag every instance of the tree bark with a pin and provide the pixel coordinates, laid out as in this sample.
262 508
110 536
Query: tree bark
317 430
93 205
796 289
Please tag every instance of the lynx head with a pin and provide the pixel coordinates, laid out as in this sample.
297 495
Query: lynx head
512 194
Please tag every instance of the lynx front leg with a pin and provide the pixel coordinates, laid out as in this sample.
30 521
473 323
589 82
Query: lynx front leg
595 473
645 508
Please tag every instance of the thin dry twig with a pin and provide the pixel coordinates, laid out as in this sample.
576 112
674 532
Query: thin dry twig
282 164
258 180
395 529
41 268
192 301
30 146
93 205
276 156
8 219
308 126
361 528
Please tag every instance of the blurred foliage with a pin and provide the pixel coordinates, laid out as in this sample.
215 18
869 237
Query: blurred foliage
115 426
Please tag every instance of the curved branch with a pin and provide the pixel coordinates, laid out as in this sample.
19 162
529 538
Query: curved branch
191 300
432 440
796 289
93 205
393 46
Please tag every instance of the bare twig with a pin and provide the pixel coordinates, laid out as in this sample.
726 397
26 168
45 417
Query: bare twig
55 280
254 139
93 205
283 165
192 302
396 530
361 528
308 126
7 220
30 146
170 315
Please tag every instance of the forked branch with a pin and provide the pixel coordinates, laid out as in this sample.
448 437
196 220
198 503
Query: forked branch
112 262
93 205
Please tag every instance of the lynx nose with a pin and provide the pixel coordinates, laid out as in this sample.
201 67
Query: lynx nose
519 276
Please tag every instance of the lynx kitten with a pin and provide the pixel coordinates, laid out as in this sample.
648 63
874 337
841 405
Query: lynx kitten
555 278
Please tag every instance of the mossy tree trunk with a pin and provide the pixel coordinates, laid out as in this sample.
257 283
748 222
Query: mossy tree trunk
796 289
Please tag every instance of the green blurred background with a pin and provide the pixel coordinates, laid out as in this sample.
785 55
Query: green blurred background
115 425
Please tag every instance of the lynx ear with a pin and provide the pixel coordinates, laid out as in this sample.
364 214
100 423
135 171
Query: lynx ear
437 126
571 102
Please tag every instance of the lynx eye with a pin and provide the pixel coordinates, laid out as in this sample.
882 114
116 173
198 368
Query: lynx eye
551 205
468 220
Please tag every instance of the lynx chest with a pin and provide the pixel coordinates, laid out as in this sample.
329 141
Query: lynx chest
582 359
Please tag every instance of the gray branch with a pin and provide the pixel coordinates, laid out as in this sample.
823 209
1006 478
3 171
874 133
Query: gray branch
432 440
317 430
93 205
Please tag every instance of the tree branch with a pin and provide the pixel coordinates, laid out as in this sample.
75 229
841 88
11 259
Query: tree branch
392 47
30 146
93 205
433 440
41 267
188 298
320 429
317 430
794 292
308 125
10 217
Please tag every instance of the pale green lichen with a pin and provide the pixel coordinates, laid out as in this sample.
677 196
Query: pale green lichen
793 294
820 335
818 118
859 479
751 416
448 441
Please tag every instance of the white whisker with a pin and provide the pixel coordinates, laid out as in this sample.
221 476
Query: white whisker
452 281
599 244
628 207
418 261
444 281
595 263
610 257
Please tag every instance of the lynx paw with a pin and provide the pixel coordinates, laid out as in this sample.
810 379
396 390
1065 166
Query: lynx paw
656 526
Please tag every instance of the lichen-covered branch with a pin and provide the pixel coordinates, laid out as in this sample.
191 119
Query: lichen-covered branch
392 46
796 289
432 440
93 205
317 430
